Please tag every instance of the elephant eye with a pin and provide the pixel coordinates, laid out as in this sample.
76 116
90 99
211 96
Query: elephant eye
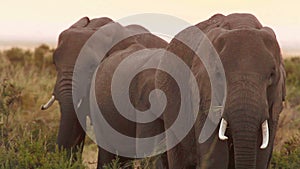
271 77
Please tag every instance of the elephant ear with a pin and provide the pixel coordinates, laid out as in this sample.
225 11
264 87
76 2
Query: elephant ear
213 22
280 93
271 43
283 75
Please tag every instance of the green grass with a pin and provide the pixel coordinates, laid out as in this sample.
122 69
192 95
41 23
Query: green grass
289 155
32 148
287 142
27 134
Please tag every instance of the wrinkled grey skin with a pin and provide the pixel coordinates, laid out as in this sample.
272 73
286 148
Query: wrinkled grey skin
256 88
71 135
140 88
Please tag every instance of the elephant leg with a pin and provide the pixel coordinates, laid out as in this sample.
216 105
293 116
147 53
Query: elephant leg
214 154
71 134
147 130
173 158
184 155
162 162
178 160
106 158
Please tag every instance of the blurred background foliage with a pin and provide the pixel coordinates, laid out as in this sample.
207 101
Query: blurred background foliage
27 134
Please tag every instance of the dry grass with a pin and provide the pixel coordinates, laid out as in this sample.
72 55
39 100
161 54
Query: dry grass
288 126
32 75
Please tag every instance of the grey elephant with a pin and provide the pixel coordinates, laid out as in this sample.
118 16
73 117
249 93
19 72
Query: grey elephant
255 76
71 133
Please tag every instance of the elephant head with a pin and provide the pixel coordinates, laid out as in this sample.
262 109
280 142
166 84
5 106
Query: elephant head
255 77
71 134
71 42
256 88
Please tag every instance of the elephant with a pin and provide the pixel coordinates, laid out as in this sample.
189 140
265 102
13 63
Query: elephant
71 133
255 76
255 79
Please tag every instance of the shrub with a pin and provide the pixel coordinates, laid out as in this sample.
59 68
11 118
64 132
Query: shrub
16 55
33 149
10 96
289 156
43 55
27 136
292 67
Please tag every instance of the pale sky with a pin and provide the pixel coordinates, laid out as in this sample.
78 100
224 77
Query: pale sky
41 21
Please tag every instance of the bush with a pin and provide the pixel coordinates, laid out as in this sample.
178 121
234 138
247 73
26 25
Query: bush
10 95
292 67
28 136
33 149
289 156
28 145
17 55
43 55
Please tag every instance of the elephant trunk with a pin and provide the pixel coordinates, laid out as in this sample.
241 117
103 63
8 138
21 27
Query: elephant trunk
246 117
245 145
71 134
245 140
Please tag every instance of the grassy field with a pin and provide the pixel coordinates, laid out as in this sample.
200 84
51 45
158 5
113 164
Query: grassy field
27 134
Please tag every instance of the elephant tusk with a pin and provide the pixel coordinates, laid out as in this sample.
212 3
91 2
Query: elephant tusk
222 130
48 104
79 103
265 135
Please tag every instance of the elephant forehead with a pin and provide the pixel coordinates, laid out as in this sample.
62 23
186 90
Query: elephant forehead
238 76
237 21
230 22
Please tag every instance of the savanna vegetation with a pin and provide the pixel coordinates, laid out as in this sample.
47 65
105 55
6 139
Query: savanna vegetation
27 134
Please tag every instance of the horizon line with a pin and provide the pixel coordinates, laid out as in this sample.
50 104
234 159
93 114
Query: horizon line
286 50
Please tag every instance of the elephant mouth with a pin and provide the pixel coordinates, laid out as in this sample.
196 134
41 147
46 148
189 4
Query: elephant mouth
264 130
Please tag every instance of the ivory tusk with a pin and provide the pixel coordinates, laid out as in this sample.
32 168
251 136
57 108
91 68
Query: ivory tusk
79 103
48 104
222 129
265 135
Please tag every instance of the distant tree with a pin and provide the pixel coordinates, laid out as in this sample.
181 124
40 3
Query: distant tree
15 55
43 56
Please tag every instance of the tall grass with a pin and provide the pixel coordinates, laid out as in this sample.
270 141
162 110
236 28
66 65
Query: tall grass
287 142
27 134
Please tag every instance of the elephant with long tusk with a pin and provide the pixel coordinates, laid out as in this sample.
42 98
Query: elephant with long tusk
71 133
264 131
255 78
